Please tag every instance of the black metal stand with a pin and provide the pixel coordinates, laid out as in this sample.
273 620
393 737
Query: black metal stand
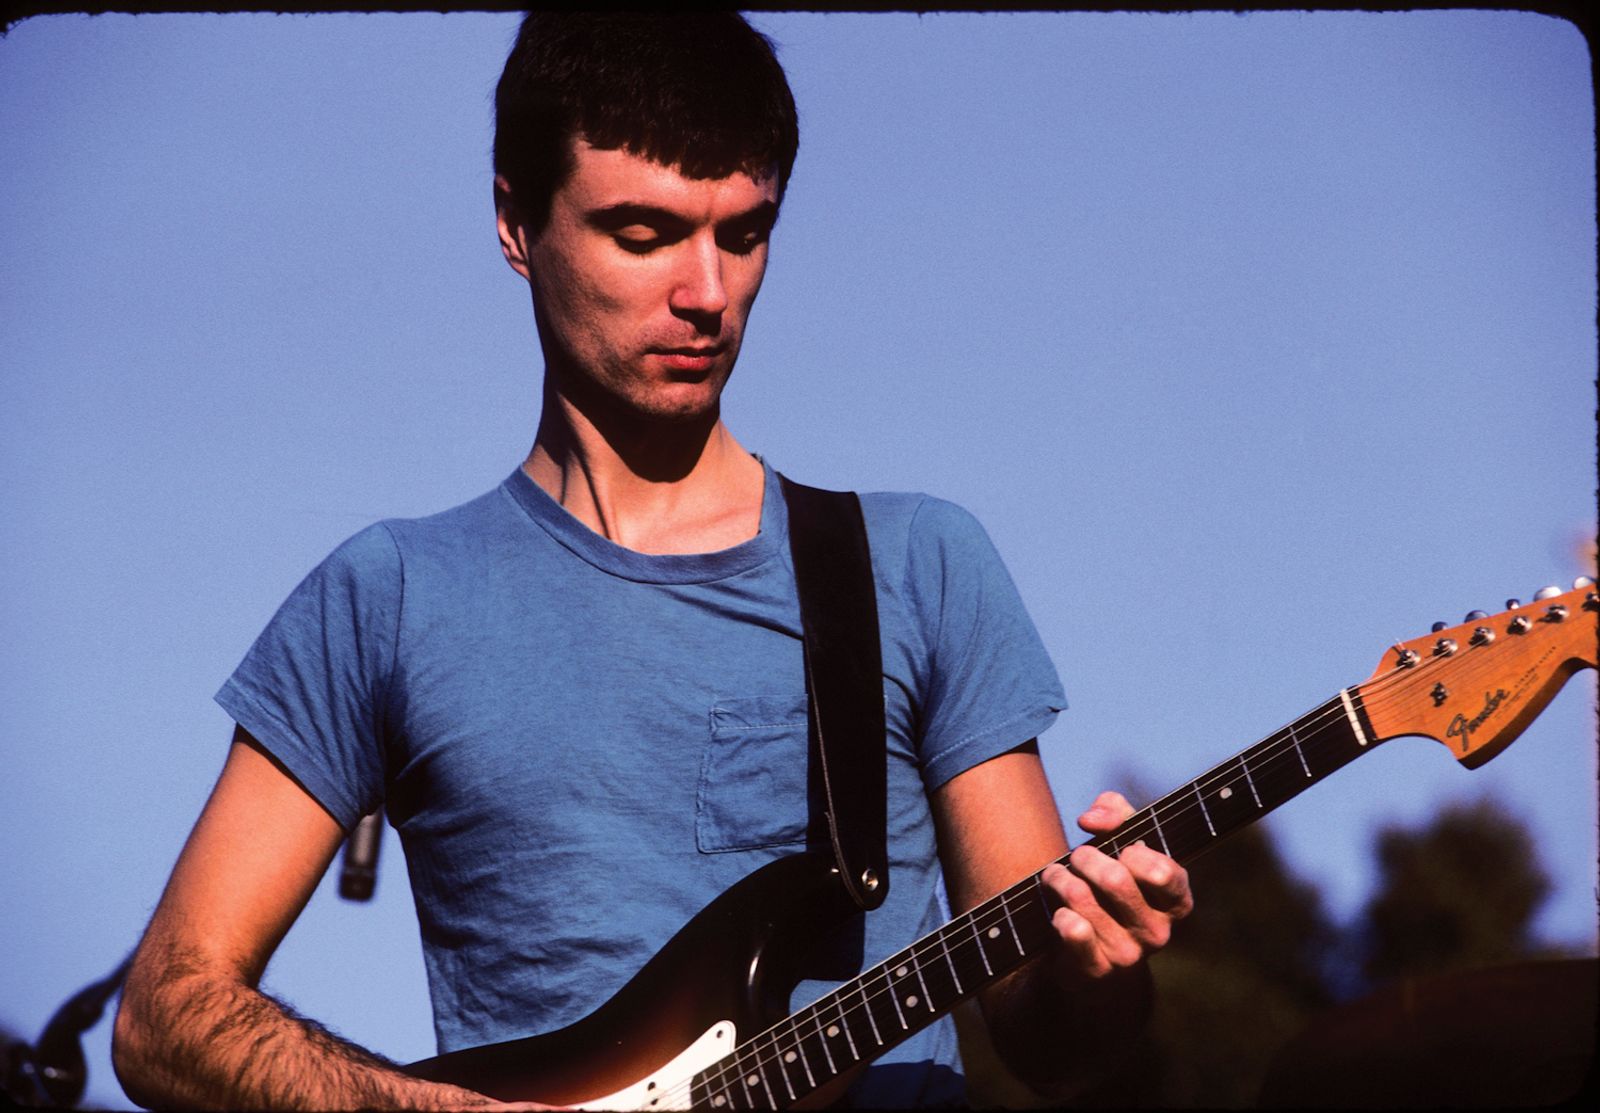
53 1073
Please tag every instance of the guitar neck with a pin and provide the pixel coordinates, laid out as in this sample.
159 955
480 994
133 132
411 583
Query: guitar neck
908 991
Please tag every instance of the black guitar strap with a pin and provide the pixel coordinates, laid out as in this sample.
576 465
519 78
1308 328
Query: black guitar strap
844 681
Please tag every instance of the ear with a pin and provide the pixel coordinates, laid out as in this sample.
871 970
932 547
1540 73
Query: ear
513 233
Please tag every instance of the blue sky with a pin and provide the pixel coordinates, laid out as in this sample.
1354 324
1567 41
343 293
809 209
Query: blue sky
1256 343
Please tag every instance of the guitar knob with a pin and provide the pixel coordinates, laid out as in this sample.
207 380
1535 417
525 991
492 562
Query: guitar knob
1546 593
1473 616
1437 626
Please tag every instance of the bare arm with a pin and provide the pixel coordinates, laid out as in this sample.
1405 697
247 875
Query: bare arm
1060 1021
193 1030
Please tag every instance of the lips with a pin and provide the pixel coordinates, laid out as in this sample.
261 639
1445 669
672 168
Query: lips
693 350
691 358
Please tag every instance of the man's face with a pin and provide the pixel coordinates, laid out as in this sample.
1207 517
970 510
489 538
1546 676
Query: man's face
643 279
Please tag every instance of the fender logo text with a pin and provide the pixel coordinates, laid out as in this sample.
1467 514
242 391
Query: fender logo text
1462 727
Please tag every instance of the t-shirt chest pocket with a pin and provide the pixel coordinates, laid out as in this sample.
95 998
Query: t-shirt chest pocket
752 790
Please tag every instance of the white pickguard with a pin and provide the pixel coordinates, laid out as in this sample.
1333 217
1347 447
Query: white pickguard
668 1087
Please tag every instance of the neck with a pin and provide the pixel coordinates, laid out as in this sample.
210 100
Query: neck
649 484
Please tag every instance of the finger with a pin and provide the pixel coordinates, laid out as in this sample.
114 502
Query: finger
1118 892
1109 811
1096 937
1164 883
1082 947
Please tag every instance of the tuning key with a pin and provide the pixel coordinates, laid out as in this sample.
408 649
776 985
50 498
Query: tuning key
1543 593
1513 604
1582 581
1437 626
1473 616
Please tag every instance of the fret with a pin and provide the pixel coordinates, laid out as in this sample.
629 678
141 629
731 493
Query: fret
822 1038
1300 753
978 940
745 1082
894 999
1012 924
1201 800
1250 781
796 1059
955 977
1155 819
844 1027
761 1079
866 1005
933 976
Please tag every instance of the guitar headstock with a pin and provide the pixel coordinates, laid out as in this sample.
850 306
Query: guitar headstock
1476 686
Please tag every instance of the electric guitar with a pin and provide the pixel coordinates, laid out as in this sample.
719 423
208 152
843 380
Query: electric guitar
702 1025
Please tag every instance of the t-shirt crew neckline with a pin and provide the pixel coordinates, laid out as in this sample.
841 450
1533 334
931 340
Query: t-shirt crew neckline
685 568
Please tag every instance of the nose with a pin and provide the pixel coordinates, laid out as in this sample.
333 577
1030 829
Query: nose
699 294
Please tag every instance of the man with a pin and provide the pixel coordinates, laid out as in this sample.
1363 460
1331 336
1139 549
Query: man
581 696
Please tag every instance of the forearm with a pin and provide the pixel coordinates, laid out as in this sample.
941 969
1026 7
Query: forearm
188 1038
1060 1032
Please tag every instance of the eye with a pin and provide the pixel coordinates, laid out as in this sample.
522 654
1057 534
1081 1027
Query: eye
744 237
639 239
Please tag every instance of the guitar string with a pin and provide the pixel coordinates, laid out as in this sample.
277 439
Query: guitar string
769 1046
807 1022
1275 750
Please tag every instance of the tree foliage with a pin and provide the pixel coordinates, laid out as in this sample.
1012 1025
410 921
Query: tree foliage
1460 891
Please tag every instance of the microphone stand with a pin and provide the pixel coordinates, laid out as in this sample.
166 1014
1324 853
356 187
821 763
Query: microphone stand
54 1072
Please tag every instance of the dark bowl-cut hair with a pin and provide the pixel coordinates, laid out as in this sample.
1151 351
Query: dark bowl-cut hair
701 92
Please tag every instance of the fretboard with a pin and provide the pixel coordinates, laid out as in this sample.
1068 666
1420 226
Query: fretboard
908 991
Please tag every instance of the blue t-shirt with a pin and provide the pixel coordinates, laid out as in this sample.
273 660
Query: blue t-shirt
581 745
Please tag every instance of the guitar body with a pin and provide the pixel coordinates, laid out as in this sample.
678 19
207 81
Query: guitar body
723 977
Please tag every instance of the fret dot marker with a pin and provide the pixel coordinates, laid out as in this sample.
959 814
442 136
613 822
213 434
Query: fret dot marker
902 972
753 1080
719 1101
790 1057
1225 793
994 933
911 1002
833 1030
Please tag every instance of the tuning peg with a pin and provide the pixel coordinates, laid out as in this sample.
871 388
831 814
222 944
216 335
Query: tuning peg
1473 616
1513 604
1437 626
1546 593
1582 581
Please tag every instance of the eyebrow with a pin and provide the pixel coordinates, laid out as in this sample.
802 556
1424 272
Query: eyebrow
624 213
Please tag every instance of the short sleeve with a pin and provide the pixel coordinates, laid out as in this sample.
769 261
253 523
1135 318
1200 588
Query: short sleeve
311 689
990 685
